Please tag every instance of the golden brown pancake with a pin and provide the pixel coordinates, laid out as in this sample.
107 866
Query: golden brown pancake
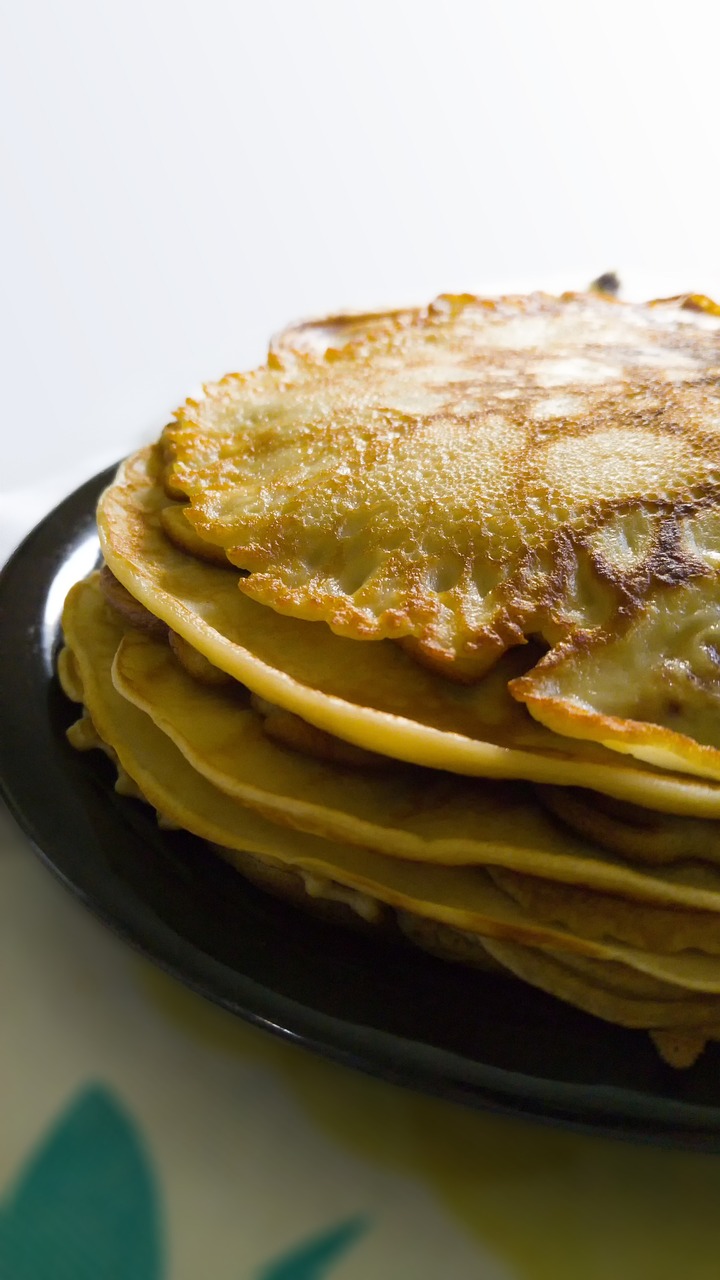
413 814
467 475
128 606
598 989
372 695
331 333
636 833
513 502
649 688
284 727
683 986
592 914
195 663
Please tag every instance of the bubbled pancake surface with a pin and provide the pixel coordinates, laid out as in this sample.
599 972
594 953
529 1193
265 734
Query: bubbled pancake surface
463 476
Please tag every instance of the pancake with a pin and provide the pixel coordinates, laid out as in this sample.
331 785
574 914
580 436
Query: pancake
313 894
593 991
372 695
421 815
318 336
458 896
624 980
464 900
447 943
69 675
195 664
290 731
182 533
652 688
164 775
133 612
680 1047
633 832
418 622
468 475
665 929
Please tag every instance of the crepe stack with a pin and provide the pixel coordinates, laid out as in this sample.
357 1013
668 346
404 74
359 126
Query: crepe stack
420 623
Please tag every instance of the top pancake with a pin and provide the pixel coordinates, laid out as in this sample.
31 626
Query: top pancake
371 695
464 476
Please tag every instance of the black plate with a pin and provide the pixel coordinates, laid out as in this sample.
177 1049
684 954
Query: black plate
379 1006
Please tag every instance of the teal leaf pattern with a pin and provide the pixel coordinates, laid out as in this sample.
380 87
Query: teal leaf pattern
85 1207
313 1260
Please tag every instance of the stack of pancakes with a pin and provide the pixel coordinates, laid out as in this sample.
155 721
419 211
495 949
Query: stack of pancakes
420 623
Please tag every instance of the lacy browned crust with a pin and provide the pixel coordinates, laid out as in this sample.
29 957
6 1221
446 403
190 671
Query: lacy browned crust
462 476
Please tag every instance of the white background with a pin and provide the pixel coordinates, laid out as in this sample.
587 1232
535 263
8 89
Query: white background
180 178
